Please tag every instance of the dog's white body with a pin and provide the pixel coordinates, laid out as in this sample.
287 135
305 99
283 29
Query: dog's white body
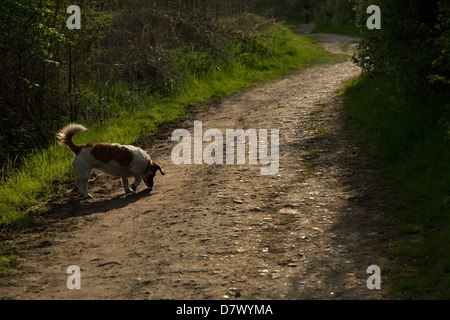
112 158
85 161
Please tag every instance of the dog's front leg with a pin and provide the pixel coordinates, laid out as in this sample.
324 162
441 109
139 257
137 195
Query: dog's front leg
137 181
125 185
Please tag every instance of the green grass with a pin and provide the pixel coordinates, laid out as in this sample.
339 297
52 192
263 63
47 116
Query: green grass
409 137
295 22
344 47
8 262
308 171
345 30
40 175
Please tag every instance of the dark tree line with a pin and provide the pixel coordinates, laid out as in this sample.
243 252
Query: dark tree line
50 75
413 44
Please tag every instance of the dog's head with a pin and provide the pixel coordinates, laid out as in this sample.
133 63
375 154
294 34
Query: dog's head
151 172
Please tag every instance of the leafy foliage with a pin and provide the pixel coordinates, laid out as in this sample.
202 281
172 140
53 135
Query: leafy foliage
37 79
51 75
412 45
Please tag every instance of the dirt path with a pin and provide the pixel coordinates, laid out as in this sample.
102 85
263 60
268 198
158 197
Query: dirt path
225 231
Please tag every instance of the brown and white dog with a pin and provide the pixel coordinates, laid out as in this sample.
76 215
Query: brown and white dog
112 158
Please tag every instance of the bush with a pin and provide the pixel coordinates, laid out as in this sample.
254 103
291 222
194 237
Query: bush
412 45
41 68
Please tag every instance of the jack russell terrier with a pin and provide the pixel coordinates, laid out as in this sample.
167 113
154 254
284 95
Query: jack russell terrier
112 158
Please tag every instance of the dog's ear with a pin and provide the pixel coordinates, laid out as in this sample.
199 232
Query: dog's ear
161 170
158 167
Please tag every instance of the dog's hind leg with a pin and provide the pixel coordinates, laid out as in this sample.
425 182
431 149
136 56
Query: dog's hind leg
79 185
82 178
83 183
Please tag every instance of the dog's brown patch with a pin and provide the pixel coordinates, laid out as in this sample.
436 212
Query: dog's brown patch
106 152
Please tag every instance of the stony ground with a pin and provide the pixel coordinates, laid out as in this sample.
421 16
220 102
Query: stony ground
225 231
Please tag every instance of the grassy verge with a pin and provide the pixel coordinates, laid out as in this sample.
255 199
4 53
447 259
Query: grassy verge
410 139
345 30
40 174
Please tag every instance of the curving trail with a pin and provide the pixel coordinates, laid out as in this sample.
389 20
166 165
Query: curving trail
225 231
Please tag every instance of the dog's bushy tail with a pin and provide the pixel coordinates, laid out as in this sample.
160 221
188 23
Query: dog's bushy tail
65 136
